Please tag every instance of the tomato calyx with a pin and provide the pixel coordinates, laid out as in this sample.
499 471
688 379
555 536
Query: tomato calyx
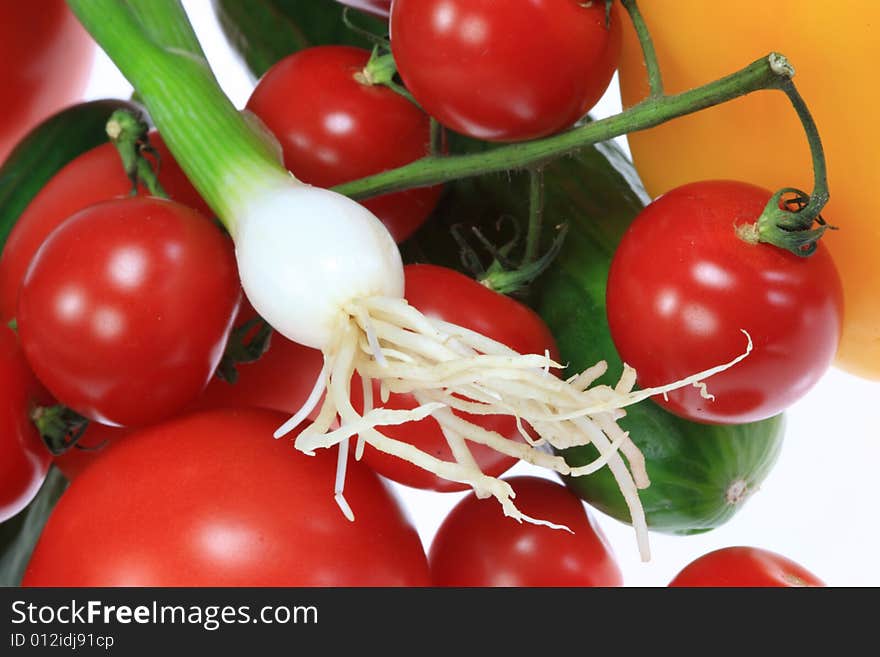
59 426
787 223
380 69
503 274
128 133
247 344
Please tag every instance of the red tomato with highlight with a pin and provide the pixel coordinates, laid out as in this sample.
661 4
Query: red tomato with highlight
683 286
280 380
24 458
333 128
125 310
505 71
94 176
45 60
453 297
744 567
477 545
211 499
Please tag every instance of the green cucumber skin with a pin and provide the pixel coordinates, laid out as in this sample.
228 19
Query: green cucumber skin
47 149
263 32
692 466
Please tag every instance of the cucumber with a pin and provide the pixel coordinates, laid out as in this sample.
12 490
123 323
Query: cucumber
265 31
46 149
700 474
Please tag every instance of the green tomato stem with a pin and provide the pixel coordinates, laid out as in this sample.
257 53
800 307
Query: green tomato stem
536 214
655 79
437 138
764 73
128 133
789 220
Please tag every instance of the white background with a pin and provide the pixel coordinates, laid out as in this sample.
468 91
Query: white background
819 506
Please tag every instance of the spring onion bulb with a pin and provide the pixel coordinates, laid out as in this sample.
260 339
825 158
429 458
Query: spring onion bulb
324 272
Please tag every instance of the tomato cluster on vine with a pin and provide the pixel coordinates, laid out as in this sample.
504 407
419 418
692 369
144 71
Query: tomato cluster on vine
126 307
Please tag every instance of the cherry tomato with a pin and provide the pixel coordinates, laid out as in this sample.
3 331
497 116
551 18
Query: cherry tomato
445 294
126 308
682 286
505 71
24 458
744 566
334 128
92 177
477 545
211 499
280 380
45 60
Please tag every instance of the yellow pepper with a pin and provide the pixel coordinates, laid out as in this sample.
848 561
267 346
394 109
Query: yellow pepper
835 49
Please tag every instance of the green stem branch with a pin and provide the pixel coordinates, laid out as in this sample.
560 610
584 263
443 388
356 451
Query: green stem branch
820 194
536 215
765 73
655 80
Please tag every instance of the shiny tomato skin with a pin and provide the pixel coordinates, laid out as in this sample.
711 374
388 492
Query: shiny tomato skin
445 294
24 458
334 128
505 71
744 567
125 310
45 60
94 176
211 499
477 545
682 286
280 380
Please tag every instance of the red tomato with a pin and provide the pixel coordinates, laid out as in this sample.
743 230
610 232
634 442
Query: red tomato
126 308
505 71
280 380
24 458
446 294
92 177
378 7
477 545
211 499
681 286
45 61
334 128
744 566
